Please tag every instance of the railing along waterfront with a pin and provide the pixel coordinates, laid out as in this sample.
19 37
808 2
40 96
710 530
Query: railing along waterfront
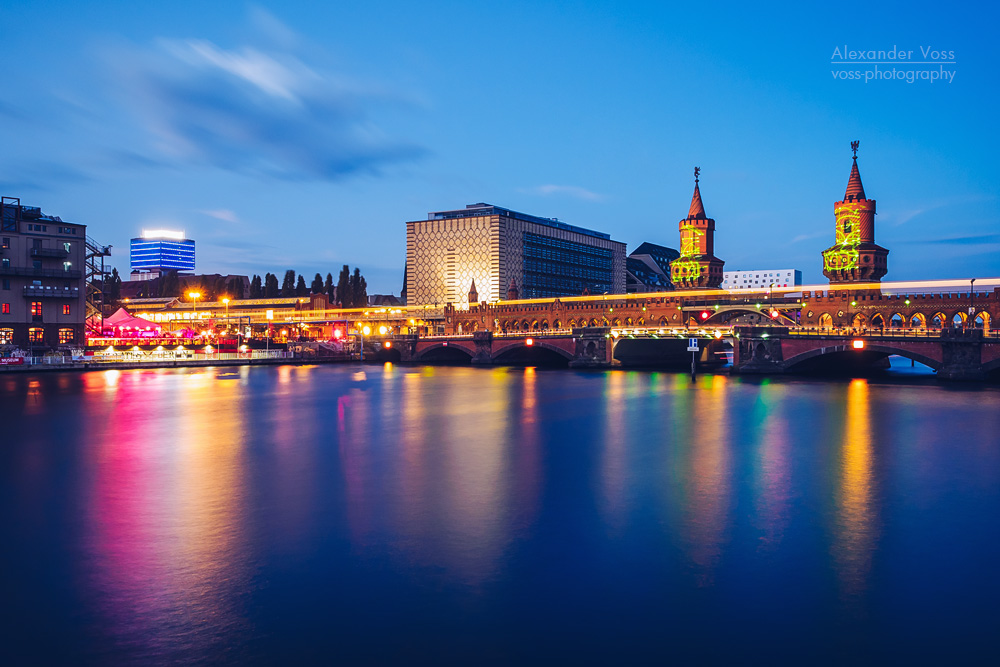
154 358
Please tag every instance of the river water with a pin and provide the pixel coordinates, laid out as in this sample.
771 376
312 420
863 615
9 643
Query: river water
390 514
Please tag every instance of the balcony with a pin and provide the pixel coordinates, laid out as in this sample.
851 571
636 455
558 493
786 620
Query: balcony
58 253
51 292
29 272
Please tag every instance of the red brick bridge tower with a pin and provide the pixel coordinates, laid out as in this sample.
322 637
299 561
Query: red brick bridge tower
697 266
855 257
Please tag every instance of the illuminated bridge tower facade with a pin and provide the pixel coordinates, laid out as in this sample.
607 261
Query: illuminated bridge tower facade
697 267
855 257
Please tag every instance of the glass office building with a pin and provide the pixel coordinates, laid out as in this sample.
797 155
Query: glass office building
158 251
495 246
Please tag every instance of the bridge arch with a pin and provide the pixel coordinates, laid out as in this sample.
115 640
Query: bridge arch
982 320
445 352
959 318
880 349
918 321
662 322
939 319
860 321
615 322
557 324
896 321
878 321
539 352
826 321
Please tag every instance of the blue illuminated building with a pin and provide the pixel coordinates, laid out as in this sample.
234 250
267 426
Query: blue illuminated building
158 251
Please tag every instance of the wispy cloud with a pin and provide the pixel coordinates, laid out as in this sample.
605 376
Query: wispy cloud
806 237
257 109
982 239
221 214
566 190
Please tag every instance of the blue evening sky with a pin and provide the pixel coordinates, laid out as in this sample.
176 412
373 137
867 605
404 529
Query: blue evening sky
303 135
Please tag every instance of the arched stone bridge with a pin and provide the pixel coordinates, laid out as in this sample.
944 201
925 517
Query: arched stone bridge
954 353
590 347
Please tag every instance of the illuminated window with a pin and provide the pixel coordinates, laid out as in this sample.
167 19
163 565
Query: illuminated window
65 336
6 242
5 309
6 336
36 308
65 309
36 335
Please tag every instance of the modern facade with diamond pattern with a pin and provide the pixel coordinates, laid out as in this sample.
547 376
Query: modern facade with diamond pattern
494 246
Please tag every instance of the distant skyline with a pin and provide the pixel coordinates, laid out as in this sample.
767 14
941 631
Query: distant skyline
304 136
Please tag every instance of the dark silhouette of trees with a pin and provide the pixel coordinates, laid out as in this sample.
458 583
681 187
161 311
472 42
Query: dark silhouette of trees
359 289
331 290
256 288
271 290
113 289
344 295
288 284
300 287
170 284
317 284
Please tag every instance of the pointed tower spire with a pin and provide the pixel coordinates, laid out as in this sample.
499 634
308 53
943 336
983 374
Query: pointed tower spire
697 209
473 294
512 290
854 187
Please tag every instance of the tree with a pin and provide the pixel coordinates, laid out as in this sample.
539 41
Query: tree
216 289
234 288
288 284
317 285
331 291
113 289
359 289
300 287
271 286
170 284
256 288
344 288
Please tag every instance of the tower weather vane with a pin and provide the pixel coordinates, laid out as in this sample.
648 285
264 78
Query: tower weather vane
854 147
697 170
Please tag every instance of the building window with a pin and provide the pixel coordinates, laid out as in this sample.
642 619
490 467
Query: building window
37 264
68 247
65 309
6 336
65 336
6 284
67 266
6 263
36 335
6 242
36 311
5 309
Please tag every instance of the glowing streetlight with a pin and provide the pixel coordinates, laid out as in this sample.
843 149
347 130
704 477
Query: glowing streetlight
194 300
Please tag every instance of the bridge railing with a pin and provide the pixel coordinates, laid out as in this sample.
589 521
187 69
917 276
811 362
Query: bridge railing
888 332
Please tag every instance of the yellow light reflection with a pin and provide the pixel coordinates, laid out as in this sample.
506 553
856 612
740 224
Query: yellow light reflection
709 486
856 532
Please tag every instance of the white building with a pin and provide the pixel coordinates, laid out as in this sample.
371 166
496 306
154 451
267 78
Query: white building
760 279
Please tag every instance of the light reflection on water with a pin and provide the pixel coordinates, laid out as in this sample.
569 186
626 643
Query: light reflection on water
227 514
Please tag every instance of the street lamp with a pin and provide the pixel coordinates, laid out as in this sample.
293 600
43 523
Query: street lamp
972 303
194 300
